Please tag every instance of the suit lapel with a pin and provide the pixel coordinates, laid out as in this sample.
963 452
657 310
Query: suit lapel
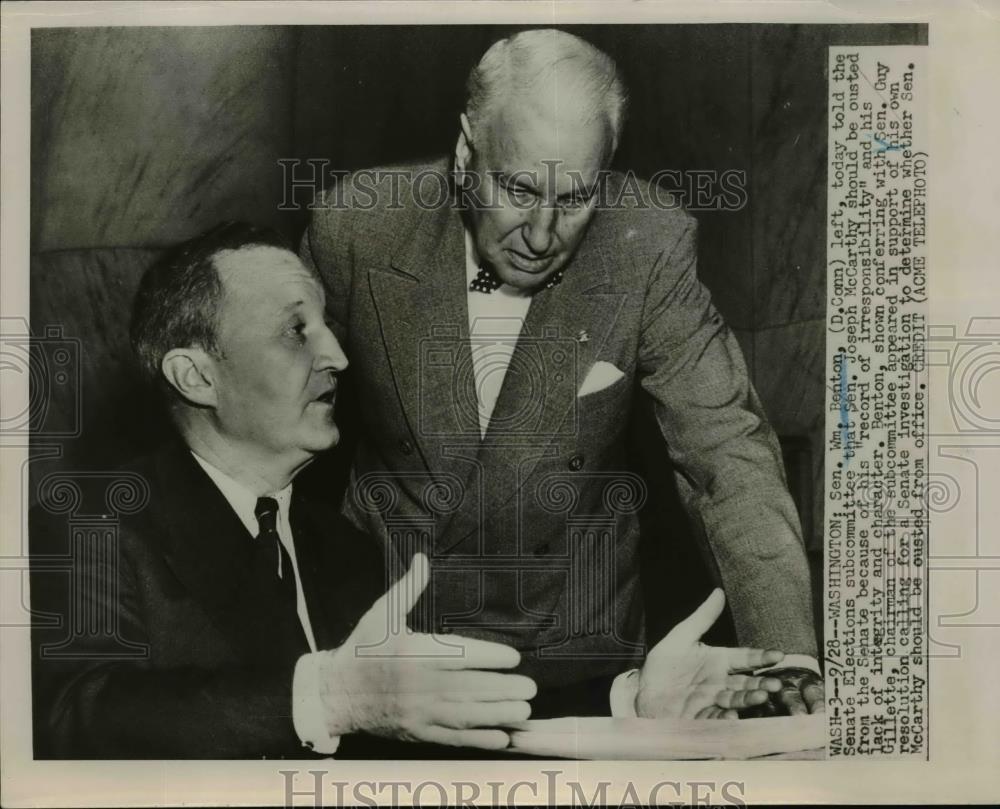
308 536
208 549
423 316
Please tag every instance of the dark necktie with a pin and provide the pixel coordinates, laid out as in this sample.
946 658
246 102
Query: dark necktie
487 281
271 558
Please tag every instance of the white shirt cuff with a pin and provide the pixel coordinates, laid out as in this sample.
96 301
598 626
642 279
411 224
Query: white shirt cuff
795 661
307 708
623 692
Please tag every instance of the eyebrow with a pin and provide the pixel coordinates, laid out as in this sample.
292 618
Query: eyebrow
288 308
518 184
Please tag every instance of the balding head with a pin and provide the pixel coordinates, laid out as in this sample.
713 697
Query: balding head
556 75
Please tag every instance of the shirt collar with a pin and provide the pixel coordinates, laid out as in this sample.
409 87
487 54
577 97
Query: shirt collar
240 498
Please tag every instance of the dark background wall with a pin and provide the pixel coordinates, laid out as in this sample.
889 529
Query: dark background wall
145 136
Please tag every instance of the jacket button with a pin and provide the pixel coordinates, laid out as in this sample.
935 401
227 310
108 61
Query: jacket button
406 447
576 463
542 549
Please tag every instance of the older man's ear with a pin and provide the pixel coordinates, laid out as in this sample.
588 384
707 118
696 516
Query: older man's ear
463 148
189 371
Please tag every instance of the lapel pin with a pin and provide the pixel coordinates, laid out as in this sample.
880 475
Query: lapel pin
583 337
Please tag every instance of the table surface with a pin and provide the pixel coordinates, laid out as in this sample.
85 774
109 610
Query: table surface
607 739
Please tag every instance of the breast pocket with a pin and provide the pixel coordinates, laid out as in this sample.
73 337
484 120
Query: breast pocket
603 415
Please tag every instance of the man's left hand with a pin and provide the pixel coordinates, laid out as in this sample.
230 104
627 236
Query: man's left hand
802 692
684 678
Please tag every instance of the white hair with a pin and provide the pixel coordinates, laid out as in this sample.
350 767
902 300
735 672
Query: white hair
523 61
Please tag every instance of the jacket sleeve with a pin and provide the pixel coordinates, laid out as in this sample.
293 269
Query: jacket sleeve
97 692
727 459
326 248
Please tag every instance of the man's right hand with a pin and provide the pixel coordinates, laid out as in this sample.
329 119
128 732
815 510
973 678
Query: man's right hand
390 681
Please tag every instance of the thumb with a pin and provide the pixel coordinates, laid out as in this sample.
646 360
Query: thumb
691 629
405 593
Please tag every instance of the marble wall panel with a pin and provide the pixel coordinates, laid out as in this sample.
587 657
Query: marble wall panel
145 136
82 299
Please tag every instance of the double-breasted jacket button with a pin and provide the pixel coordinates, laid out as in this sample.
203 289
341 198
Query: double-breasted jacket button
576 463
406 447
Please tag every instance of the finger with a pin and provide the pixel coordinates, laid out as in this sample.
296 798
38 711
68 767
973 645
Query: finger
485 739
748 682
744 659
487 686
698 699
730 714
709 712
700 621
478 654
791 698
737 700
463 715
404 594
815 697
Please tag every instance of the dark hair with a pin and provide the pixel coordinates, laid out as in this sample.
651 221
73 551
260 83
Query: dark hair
177 303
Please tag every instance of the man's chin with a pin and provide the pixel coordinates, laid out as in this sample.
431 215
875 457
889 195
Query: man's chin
523 279
323 440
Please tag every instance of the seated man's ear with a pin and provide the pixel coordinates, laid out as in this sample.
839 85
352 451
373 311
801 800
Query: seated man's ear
190 372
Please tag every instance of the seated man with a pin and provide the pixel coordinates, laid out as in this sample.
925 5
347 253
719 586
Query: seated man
227 589
231 615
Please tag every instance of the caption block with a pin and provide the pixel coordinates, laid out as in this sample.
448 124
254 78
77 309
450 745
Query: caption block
875 586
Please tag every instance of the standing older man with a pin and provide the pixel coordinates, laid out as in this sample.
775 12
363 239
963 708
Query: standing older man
224 620
498 344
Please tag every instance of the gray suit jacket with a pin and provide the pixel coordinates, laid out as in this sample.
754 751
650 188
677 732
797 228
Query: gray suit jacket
533 531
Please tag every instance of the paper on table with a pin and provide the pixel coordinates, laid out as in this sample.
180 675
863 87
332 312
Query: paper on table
664 739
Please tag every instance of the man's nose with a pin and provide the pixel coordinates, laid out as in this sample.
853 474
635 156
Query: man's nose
539 228
329 355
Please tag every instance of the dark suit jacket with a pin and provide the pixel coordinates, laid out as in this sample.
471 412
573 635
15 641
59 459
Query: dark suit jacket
533 531
151 640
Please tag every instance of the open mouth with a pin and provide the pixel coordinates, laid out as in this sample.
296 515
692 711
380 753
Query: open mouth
327 398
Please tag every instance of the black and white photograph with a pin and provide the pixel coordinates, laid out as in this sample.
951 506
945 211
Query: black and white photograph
490 392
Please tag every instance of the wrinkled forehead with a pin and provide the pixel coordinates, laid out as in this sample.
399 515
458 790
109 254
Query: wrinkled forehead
550 137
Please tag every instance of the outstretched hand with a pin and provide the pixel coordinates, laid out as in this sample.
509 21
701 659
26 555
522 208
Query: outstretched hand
802 692
390 681
684 678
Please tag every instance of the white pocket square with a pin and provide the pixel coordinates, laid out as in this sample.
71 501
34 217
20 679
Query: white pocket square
600 376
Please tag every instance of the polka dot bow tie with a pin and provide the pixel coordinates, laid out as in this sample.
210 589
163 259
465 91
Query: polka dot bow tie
486 281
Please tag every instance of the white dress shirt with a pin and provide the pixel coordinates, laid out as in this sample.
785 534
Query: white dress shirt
495 321
307 708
